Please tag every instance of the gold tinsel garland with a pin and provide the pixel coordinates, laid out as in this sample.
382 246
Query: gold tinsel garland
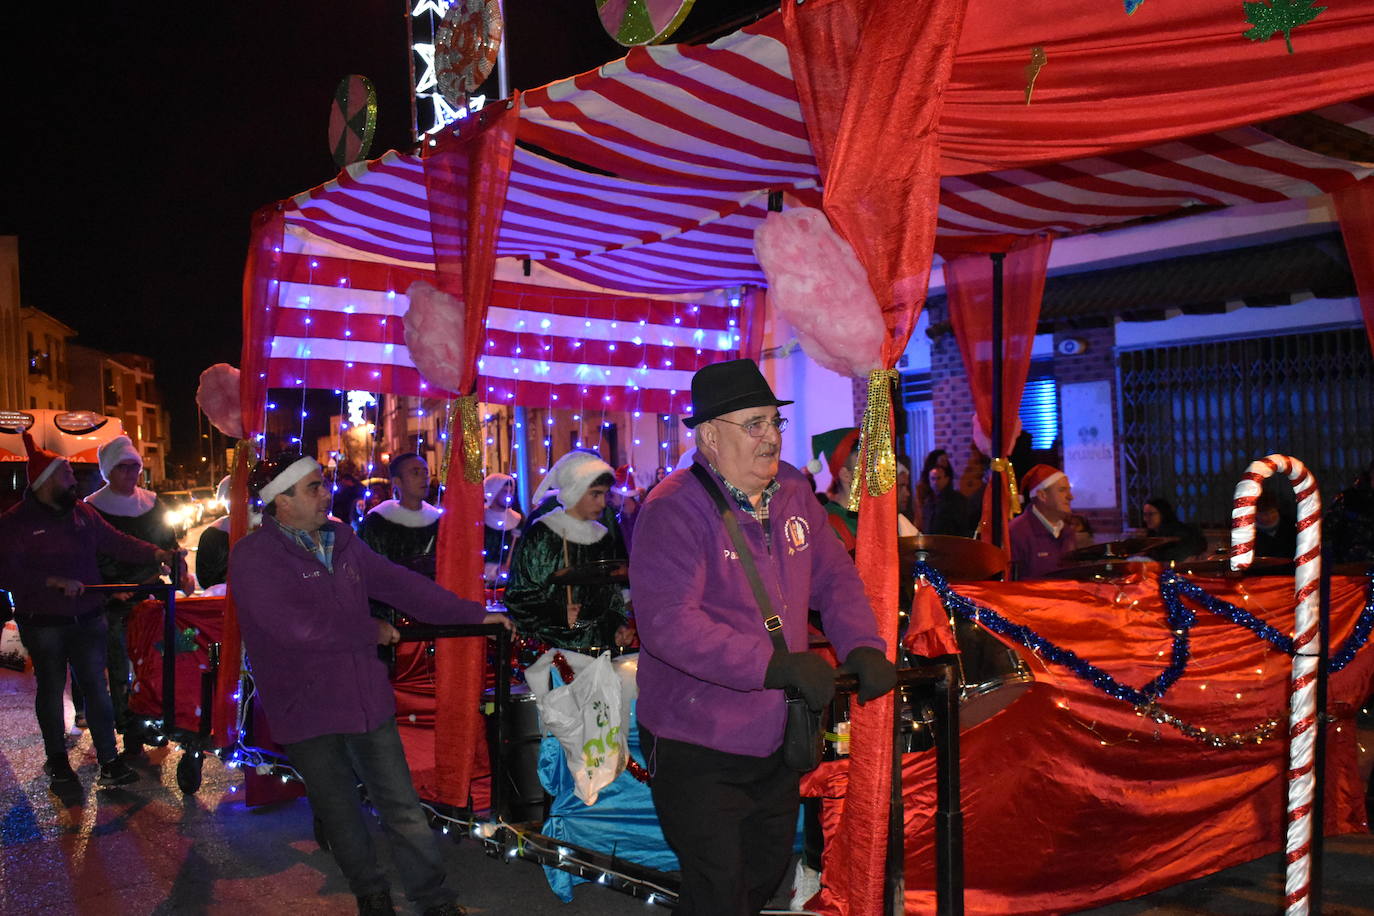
877 459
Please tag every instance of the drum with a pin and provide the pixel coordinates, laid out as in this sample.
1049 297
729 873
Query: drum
991 678
520 756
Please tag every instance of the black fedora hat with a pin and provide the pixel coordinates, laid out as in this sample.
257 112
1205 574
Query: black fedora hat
732 385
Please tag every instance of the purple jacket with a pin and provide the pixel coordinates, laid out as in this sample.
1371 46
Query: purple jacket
705 648
36 542
1034 550
310 639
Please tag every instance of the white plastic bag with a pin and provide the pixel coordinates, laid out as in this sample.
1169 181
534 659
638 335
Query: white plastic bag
12 651
587 717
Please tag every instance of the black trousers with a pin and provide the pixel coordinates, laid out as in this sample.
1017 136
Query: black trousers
731 819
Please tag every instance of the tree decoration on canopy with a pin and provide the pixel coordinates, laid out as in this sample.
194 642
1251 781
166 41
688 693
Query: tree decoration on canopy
1037 63
465 47
817 284
1278 16
641 22
217 396
434 327
352 120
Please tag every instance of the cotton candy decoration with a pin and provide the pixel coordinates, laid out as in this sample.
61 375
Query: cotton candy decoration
434 327
217 396
817 284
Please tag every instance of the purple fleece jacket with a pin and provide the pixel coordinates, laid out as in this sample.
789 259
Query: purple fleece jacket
310 639
36 542
1034 549
705 649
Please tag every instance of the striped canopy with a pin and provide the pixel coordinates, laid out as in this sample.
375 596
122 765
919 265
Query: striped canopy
649 175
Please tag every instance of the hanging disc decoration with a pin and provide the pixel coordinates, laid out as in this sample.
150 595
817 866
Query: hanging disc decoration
465 47
352 120
642 22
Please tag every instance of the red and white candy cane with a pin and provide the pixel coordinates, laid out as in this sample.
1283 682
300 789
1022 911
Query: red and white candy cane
1307 649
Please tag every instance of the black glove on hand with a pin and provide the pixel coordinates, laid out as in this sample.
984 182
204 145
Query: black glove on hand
876 674
806 671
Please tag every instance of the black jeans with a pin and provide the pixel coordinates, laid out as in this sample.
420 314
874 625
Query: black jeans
332 766
80 646
731 819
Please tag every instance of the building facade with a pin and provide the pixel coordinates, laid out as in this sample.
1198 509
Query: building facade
123 385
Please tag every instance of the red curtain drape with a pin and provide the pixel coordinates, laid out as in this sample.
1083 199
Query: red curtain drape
870 78
968 283
1355 210
465 180
260 290
752 318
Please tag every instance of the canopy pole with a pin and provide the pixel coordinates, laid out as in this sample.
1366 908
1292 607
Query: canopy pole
995 439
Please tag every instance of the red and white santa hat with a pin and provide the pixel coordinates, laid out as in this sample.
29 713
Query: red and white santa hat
42 462
1038 478
625 481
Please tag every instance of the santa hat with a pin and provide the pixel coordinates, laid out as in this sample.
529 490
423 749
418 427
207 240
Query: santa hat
492 484
42 462
117 451
625 481
837 445
1038 478
570 477
273 476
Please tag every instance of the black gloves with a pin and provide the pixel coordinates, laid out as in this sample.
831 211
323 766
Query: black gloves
806 671
876 674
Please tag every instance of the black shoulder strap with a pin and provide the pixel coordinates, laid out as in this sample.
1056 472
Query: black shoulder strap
771 621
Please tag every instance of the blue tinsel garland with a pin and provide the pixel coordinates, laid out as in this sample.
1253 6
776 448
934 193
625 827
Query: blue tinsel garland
1172 588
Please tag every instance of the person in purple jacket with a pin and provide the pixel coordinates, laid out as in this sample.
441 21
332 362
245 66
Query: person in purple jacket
711 704
49 549
301 585
1040 536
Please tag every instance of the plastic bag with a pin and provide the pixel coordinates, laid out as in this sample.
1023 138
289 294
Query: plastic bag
12 651
587 717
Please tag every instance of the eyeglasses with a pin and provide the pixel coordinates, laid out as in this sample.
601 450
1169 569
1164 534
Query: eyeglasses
756 428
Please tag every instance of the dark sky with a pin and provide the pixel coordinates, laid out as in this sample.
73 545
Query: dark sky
140 138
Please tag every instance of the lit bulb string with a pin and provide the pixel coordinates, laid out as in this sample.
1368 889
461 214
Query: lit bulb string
1181 618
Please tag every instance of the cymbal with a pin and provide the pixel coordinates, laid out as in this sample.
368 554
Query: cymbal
955 557
1260 566
1127 547
600 572
1116 568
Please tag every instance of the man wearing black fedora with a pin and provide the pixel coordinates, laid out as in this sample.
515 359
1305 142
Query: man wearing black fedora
711 703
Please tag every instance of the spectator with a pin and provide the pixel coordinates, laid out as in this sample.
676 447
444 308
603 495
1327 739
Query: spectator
1275 536
50 546
140 514
1350 521
1040 536
946 511
1161 521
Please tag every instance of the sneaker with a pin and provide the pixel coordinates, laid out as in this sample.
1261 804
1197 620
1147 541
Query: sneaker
116 773
378 904
60 773
446 909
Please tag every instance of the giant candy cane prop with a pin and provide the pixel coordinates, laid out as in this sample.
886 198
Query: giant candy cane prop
1307 648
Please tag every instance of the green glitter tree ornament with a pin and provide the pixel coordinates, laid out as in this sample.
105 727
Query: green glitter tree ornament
1278 16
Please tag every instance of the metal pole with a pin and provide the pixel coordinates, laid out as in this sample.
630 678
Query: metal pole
502 79
998 446
949 815
894 884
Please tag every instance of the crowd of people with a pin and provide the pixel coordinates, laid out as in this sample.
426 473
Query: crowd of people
710 571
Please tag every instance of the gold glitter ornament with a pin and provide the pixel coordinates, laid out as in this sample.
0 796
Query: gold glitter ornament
877 459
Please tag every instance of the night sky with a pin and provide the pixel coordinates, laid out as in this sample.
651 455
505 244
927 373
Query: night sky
146 134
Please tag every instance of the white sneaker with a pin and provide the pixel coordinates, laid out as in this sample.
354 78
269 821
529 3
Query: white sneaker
806 883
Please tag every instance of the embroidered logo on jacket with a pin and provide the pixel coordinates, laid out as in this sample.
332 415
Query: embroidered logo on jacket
797 532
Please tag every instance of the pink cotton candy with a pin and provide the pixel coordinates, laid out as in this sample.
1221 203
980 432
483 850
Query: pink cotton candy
818 285
434 328
217 395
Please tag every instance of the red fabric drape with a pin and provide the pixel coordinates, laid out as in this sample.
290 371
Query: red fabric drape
1355 209
260 290
869 78
1175 68
1071 800
466 181
968 282
752 315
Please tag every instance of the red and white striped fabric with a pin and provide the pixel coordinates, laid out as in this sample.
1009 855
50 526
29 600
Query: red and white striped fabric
338 325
